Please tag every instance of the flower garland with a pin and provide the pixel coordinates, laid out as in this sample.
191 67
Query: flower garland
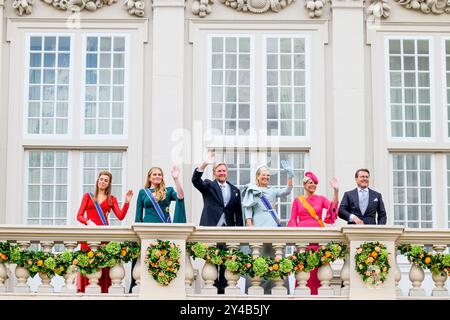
269 268
417 255
372 262
86 261
163 261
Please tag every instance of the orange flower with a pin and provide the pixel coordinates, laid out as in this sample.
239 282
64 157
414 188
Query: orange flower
427 260
327 254
90 254
249 265
30 262
123 253
369 260
169 263
374 254
40 263
277 259
75 261
301 267
158 253
275 266
294 257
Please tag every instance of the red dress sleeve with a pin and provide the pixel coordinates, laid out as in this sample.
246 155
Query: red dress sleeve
294 213
83 209
120 214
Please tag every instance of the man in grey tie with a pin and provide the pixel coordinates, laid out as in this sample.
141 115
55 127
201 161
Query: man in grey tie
221 203
362 205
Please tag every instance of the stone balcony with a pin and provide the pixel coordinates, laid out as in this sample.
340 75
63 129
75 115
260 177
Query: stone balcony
195 277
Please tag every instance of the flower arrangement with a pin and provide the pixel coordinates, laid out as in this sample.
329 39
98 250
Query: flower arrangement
88 261
331 252
372 262
305 261
417 255
5 248
63 262
163 261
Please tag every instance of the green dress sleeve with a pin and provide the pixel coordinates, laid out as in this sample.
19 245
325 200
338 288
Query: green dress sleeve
140 206
179 215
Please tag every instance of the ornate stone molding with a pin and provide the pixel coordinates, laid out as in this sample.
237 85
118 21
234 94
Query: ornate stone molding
23 7
203 7
315 7
134 7
427 6
378 9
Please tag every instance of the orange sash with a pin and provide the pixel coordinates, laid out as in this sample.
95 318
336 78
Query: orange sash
311 210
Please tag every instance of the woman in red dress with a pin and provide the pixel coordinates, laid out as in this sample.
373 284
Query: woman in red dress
103 197
311 215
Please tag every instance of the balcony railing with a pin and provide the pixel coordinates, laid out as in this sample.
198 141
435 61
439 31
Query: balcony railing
195 278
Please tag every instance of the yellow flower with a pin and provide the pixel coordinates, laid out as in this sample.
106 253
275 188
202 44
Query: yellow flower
360 266
327 254
123 253
374 254
275 266
40 263
427 260
90 254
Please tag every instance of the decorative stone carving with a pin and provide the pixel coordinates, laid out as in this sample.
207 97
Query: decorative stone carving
427 6
135 7
315 7
23 7
202 8
379 9
79 5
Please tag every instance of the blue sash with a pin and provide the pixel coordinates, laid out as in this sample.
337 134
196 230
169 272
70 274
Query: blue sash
157 207
99 209
272 211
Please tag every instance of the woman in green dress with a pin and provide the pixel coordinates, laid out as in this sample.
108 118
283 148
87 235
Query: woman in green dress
154 200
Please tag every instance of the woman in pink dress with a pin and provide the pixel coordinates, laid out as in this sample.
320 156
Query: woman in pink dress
307 212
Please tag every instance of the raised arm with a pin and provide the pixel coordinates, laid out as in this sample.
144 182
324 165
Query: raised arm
176 178
120 214
197 181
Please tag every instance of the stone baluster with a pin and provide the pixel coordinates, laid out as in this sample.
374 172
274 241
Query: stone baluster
22 273
117 274
416 275
209 276
45 286
439 278
137 276
325 275
397 274
279 288
93 287
256 288
302 277
3 277
345 276
189 275
232 278
70 276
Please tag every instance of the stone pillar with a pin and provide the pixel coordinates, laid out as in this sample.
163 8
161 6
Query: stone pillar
356 235
168 78
177 233
348 98
3 122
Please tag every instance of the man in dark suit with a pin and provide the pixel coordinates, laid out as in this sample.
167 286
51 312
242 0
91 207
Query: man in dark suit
361 205
221 202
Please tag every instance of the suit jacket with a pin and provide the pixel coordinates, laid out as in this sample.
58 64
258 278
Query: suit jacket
213 202
350 205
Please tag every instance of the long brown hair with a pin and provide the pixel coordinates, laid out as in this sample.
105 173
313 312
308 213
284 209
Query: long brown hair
160 190
108 189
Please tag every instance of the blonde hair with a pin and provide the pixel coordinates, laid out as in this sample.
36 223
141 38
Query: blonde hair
160 190
218 164
261 170
108 189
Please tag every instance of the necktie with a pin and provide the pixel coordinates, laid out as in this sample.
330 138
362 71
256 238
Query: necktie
363 200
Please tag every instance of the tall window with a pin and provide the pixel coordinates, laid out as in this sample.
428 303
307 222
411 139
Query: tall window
230 85
412 190
48 85
47 187
104 99
409 88
285 86
93 163
447 69
239 167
